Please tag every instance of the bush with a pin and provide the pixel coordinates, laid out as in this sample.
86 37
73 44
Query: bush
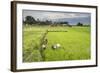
79 24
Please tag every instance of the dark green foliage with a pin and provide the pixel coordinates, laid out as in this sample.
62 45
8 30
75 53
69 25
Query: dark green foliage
61 24
79 24
29 20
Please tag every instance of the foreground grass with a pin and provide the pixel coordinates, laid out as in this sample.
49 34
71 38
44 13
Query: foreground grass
75 43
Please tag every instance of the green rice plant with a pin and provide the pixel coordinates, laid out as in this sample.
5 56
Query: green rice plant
75 43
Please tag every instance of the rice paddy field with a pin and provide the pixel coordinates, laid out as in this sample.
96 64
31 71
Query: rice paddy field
74 41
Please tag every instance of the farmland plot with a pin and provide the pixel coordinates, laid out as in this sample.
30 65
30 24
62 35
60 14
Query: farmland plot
31 42
75 43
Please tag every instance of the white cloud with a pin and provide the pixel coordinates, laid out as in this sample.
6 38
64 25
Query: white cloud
44 15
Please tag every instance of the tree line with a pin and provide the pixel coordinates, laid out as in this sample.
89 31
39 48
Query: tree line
29 20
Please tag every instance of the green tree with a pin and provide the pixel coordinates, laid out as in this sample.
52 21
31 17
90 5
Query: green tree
79 24
30 20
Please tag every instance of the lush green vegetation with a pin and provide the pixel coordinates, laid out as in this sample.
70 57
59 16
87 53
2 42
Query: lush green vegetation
74 41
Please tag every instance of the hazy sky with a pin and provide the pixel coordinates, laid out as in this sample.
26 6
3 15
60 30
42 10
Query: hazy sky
71 17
